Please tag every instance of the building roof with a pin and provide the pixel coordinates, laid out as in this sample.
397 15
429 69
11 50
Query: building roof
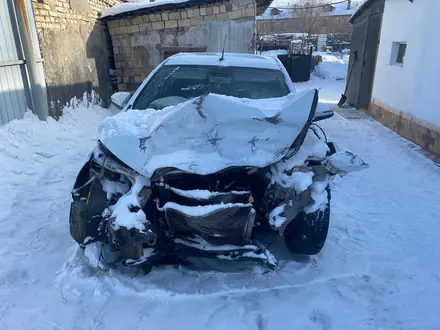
360 9
146 7
131 8
230 59
339 9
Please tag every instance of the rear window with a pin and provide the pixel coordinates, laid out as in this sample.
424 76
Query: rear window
175 84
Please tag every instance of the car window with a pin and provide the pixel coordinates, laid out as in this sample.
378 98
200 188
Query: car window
172 85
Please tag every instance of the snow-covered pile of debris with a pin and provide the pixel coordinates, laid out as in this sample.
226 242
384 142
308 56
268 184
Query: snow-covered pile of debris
333 66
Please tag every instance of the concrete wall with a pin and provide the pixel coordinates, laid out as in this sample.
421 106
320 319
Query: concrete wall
413 86
141 42
323 25
76 49
405 95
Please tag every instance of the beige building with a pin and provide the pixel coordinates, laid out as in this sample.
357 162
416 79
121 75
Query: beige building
75 49
143 36
331 19
56 50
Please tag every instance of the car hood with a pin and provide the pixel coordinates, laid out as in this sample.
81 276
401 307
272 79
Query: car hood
207 134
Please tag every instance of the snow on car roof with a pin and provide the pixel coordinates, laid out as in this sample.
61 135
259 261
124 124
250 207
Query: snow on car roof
213 59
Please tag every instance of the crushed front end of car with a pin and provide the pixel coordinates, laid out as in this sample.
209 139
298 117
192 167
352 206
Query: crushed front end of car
199 179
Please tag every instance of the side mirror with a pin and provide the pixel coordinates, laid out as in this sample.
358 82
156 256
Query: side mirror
120 99
323 115
323 111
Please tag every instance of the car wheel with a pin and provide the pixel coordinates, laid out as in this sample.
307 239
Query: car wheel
307 233
85 217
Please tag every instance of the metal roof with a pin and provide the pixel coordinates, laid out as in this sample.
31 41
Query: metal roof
361 9
154 7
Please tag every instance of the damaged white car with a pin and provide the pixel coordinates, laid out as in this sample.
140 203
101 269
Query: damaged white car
209 151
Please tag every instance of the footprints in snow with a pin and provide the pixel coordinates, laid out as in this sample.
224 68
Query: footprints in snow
321 319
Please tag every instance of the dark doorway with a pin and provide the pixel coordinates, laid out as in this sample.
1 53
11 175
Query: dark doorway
369 60
367 23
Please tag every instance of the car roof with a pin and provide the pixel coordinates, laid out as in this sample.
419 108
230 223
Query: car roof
230 59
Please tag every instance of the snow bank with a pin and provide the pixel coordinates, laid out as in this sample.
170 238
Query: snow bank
29 144
332 67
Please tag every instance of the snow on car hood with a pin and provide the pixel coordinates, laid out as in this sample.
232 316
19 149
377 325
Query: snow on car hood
207 134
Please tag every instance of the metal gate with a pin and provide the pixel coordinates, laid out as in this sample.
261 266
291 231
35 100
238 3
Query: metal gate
22 84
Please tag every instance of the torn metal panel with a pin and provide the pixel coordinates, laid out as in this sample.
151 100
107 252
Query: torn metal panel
207 135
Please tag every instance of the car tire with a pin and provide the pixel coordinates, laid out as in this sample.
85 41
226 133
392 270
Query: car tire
307 233
85 217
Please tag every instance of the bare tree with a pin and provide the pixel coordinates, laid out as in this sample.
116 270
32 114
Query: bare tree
311 12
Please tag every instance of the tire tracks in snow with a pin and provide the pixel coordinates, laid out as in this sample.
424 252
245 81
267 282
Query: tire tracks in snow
163 295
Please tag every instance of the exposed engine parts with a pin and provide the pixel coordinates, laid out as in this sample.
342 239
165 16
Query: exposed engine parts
141 221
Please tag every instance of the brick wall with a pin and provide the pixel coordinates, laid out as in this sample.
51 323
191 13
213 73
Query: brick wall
141 42
76 49
422 133
58 14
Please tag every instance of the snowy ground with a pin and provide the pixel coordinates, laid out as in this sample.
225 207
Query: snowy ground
380 268
333 66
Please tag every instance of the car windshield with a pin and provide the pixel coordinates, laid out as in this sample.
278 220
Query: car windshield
172 85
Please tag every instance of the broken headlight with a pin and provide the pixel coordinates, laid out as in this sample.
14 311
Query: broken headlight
103 160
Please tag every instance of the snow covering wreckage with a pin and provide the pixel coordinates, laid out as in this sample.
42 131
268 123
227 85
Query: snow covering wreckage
204 178
199 178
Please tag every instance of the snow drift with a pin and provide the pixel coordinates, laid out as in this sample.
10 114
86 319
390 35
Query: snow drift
332 67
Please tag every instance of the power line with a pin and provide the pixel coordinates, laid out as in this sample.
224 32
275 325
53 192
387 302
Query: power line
310 7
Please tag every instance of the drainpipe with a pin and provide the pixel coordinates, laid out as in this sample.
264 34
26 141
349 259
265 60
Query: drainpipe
348 4
34 63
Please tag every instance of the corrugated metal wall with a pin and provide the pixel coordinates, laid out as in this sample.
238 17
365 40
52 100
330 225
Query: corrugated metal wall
14 91
22 84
